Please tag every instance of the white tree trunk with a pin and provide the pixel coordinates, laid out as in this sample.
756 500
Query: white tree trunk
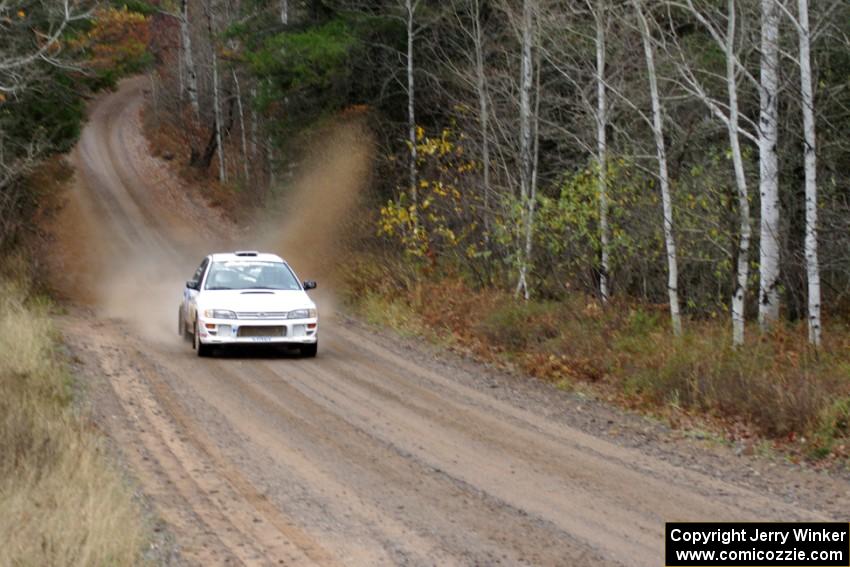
180 72
188 60
271 161
602 150
769 166
254 142
526 148
241 110
810 163
284 12
740 293
663 177
222 172
410 7
483 108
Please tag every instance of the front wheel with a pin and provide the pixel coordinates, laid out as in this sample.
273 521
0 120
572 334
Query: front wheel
200 348
181 325
309 351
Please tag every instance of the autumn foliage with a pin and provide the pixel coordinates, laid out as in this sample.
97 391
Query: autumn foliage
117 42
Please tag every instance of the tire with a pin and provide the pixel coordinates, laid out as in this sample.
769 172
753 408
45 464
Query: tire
309 351
181 325
200 348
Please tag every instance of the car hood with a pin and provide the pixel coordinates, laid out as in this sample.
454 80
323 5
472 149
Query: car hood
255 300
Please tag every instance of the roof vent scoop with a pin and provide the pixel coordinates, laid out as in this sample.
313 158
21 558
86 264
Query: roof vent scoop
246 253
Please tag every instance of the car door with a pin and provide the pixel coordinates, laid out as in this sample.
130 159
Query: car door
190 294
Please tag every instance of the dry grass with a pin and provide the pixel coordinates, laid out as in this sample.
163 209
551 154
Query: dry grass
61 503
775 388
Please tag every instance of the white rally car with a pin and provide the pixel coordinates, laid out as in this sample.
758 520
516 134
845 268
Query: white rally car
248 298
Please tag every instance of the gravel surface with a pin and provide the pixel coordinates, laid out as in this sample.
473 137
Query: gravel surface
381 451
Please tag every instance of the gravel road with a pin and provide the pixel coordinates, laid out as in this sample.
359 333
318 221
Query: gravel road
378 452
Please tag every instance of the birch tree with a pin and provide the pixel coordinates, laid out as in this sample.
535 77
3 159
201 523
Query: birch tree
601 21
471 72
663 176
188 60
244 135
730 115
410 14
527 175
744 231
216 87
768 138
477 37
810 166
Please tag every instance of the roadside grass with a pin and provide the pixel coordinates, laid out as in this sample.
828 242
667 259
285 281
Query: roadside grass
61 501
775 391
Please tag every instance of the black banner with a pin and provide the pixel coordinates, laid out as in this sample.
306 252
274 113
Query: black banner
757 544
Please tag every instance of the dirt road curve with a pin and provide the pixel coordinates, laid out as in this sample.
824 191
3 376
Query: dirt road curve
368 455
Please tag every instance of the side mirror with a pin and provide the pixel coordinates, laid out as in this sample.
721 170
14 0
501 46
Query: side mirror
191 284
309 284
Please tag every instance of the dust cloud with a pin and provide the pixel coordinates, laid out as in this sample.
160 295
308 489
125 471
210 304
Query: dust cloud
135 271
308 227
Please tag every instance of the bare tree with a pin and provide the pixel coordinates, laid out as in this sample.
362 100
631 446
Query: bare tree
216 87
810 165
188 59
24 53
245 158
733 128
663 175
601 21
527 147
768 138
477 35
729 114
410 15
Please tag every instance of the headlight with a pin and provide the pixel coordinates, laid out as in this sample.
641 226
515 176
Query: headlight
219 314
302 314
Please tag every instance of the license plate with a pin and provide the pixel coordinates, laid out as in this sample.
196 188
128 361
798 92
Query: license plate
261 339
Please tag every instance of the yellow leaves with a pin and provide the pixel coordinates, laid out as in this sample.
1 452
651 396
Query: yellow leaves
118 38
21 14
441 221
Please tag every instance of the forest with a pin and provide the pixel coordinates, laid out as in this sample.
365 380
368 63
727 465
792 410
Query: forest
681 152
649 196
644 203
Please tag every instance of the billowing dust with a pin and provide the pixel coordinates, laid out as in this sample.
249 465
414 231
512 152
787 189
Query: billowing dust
308 228
140 280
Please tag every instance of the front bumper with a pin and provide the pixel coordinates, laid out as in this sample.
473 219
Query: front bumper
281 331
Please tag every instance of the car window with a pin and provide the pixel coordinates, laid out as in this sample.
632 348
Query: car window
251 274
199 273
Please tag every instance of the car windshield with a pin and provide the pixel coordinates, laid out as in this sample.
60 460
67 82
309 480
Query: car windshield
248 274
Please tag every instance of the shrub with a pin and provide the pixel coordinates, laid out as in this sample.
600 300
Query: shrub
517 324
61 503
779 391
